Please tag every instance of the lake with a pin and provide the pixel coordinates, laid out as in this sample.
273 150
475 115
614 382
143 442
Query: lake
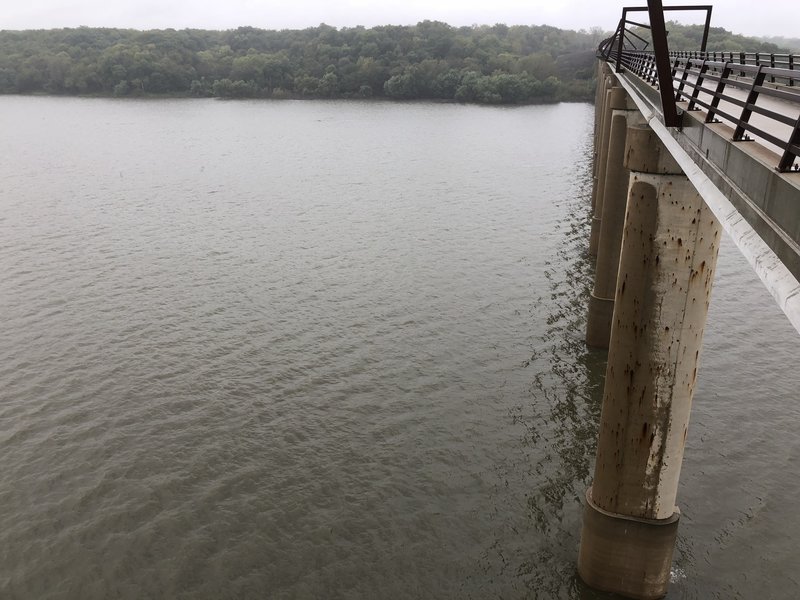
286 349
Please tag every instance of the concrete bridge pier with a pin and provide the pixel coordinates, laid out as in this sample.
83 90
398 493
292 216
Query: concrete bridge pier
601 143
668 256
604 82
614 200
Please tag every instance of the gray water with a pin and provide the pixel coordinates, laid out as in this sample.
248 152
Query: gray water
334 350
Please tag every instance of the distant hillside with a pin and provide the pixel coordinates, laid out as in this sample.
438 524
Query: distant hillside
496 64
793 44
430 60
689 37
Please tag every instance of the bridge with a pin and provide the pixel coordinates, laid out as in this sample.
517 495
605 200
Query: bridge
688 144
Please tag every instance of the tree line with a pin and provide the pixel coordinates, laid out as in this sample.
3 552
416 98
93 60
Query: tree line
430 60
496 64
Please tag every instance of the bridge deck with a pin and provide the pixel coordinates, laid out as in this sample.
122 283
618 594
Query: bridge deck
776 128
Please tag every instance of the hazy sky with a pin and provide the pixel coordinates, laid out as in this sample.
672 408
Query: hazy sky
770 17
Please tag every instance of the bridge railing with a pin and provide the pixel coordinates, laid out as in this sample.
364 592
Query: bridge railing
789 62
733 86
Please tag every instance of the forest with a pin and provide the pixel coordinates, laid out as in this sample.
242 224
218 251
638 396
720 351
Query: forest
496 64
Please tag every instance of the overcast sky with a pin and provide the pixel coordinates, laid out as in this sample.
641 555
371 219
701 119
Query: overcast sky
767 17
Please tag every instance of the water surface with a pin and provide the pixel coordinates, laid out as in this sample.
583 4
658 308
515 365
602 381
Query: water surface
334 350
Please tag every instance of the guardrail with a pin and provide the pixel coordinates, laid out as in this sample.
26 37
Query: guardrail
790 62
708 80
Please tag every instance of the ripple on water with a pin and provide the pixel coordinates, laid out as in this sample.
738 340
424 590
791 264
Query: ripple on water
348 364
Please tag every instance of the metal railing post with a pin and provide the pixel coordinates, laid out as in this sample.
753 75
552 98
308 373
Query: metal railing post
739 134
698 84
658 30
726 71
682 83
792 150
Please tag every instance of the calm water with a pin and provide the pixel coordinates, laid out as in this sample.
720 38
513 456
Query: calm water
334 350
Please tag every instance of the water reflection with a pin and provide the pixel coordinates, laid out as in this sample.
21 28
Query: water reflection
557 422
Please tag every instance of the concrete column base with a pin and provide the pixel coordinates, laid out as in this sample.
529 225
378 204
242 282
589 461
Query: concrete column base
598 322
625 555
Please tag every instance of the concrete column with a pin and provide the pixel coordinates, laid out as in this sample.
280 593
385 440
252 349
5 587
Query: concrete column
599 116
601 86
624 114
603 83
602 161
667 262
600 75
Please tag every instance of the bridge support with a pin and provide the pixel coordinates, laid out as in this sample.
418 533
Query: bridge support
614 200
666 270
603 116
